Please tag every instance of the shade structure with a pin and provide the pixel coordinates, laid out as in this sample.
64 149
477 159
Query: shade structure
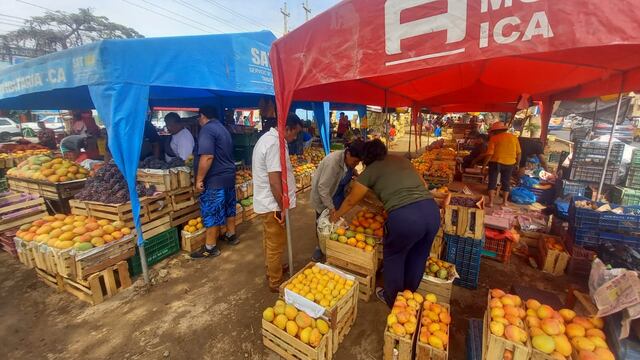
443 52
123 78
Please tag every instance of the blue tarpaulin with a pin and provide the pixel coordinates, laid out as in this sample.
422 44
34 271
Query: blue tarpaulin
122 78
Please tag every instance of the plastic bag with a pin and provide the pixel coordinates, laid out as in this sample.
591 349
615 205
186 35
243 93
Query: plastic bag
528 181
326 227
522 196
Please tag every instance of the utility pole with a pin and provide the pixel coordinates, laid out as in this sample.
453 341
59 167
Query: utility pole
286 14
307 9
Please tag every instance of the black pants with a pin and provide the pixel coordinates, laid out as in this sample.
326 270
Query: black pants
505 172
407 244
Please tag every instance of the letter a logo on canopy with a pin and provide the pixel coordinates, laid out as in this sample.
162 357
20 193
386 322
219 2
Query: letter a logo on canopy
453 21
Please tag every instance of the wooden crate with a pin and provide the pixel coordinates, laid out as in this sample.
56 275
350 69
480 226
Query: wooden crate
29 209
190 242
63 261
394 343
48 190
182 198
428 352
184 215
41 257
248 213
7 243
437 245
340 316
244 190
185 179
354 259
464 221
495 345
163 180
102 257
97 288
441 290
552 261
25 255
151 208
156 227
292 348
367 282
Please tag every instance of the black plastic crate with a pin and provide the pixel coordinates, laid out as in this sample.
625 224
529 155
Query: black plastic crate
628 348
465 254
593 174
474 339
573 188
157 248
593 153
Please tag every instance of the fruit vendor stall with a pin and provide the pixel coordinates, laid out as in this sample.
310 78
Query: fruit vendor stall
104 76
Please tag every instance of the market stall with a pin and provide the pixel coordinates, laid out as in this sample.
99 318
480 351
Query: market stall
493 53
121 79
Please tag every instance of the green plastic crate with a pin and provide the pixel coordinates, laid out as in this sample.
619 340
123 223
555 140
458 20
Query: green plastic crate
157 249
624 196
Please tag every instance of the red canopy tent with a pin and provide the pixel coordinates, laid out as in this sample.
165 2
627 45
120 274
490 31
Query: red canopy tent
441 52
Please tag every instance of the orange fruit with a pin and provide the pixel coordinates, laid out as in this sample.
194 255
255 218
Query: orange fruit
352 241
341 231
361 245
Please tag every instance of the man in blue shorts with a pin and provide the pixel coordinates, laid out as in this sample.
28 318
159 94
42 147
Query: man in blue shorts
215 181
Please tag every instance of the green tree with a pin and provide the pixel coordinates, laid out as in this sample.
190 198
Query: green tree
59 30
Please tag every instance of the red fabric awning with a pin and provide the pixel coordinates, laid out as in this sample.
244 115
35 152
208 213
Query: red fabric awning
441 52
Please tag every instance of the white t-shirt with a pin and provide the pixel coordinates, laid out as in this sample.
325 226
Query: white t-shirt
265 159
182 144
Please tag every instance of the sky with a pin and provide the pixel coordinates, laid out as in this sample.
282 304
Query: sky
153 18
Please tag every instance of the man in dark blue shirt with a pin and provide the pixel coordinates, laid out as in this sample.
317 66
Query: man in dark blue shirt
215 181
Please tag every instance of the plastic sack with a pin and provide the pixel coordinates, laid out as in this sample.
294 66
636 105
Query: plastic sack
528 181
326 227
522 196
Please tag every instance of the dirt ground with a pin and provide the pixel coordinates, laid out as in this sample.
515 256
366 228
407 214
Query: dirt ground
206 309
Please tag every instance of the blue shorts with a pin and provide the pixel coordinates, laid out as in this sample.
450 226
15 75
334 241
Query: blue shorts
216 205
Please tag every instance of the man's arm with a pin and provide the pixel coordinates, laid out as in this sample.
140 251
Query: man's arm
327 177
204 164
275 183
358 192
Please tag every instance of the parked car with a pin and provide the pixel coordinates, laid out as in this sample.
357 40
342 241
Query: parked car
8 129
54 122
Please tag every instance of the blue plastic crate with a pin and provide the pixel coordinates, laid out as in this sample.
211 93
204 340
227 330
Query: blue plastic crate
474 340
544 196
591 238
623 349
465 253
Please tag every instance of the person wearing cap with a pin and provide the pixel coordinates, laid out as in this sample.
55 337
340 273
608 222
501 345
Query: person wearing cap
503 154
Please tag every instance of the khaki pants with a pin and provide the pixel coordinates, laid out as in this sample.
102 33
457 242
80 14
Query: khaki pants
274 242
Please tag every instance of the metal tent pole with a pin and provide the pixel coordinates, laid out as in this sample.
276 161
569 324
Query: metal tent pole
410 125
387 121
613 130
143 262
289 248
594 124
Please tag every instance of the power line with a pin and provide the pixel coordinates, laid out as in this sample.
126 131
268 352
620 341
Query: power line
35 5
201 11
230 10
12 17
10 24
163 15
182 16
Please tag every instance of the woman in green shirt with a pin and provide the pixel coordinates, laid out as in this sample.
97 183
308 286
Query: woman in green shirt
413 221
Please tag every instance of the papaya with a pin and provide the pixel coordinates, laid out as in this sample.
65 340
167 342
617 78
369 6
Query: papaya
83 246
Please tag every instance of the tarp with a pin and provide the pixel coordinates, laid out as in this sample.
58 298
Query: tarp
433 53
122 78
586 109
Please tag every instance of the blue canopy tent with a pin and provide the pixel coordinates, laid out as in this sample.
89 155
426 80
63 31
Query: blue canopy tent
121 79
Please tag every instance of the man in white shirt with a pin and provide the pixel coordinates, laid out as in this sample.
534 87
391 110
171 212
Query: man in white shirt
182 143
267 195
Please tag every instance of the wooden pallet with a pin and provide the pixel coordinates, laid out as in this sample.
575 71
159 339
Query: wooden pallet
394 343
441 290
428 352
496 346
190 242
292 348
355 259
48 190
184 215
151 208
163 180
552 261
97 288
367 282
340 316
181 198
464 221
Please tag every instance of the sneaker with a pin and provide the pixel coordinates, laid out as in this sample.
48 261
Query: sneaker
204 252
317 256
232 240
380 295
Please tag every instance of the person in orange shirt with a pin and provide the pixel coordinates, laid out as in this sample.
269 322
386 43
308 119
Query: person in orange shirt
503 155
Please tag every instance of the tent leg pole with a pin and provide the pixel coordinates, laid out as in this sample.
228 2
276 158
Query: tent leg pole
143 262
289 249
613 130
410 125
595 119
